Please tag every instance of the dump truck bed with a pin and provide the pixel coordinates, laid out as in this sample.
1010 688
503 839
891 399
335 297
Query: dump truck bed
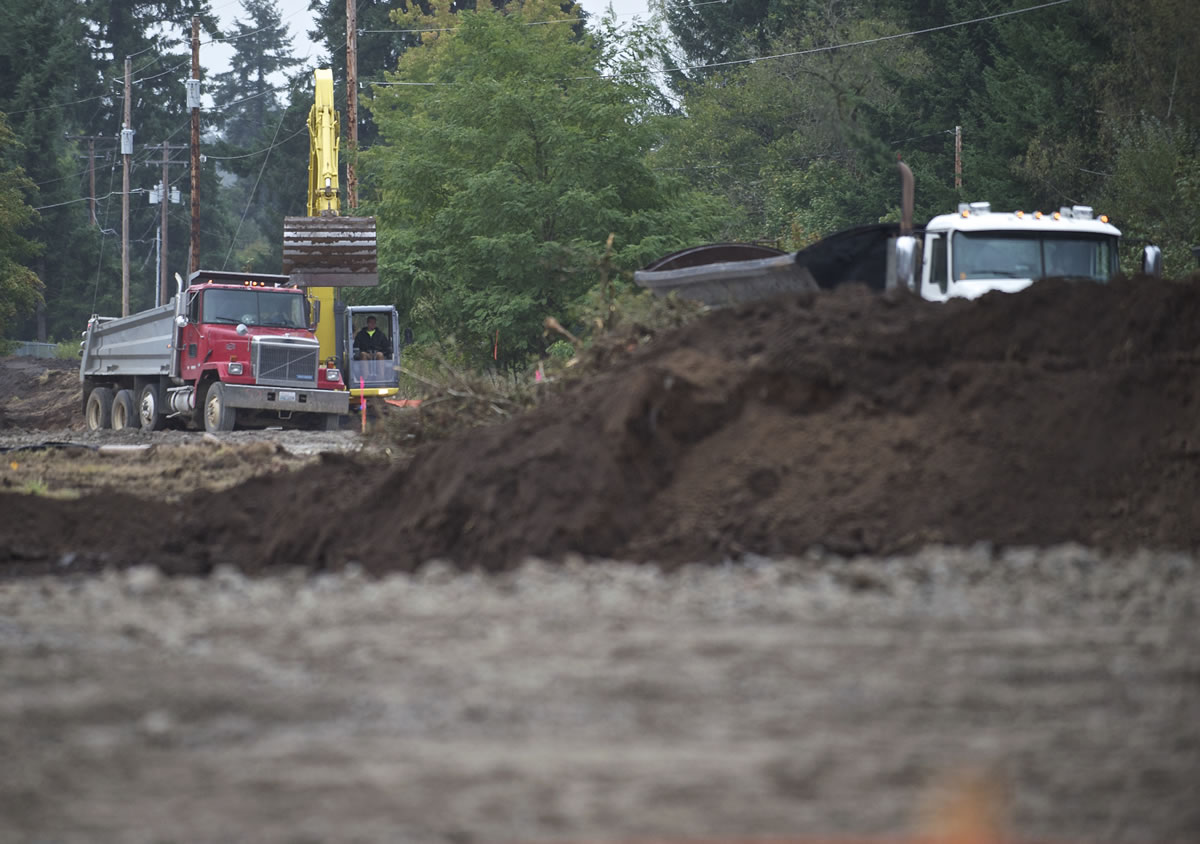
139 344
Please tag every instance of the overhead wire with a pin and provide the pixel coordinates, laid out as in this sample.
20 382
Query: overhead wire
100 256
811 51
523 23
302 129
250 198
831 47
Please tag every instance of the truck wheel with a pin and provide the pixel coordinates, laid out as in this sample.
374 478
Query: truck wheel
123 414
147 407
99 409
218 415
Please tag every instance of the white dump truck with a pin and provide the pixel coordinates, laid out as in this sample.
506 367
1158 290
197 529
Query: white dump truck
962 255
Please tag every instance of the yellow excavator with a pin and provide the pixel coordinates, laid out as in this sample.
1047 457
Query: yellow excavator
326 251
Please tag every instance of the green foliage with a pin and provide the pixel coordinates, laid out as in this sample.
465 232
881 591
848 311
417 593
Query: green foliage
20 288
1154 192
67 350
794 141
502 173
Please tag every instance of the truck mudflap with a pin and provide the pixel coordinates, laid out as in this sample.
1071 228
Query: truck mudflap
287 399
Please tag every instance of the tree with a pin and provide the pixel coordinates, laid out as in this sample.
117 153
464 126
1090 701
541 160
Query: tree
1154 192
261 48
502 171
798 141
20 288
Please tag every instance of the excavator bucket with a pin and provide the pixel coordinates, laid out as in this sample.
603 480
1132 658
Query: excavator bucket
330 251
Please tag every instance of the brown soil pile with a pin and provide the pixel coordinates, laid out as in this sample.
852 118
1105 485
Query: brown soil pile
848 420
39 394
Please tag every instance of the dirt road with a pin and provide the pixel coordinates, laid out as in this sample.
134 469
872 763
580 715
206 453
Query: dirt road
602 702
353 690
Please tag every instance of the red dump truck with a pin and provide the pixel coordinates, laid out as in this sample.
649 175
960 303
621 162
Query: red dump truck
230 348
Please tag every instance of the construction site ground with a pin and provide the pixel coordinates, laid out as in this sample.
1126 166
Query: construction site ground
836 566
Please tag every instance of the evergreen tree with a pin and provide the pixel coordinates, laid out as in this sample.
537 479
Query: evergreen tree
262 48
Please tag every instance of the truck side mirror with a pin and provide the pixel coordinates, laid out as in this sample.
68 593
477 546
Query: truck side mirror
906 261
312 312
1152 261
408 336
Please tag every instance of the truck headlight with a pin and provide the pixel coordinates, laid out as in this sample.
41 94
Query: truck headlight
333 375
235 369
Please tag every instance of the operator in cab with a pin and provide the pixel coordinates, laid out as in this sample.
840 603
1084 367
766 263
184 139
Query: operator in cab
372 342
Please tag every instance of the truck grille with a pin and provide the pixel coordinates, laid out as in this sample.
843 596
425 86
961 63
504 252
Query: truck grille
286 363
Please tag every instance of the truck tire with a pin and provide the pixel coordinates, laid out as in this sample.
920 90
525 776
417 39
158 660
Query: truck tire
99 409
218 415
123 413
149 415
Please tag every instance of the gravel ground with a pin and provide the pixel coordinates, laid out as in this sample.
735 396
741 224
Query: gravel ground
605 702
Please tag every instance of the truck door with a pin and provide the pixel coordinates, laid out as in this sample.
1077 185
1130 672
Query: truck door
190 341
935 269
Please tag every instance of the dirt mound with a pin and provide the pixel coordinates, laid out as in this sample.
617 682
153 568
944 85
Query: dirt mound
39 393
858 422
849 420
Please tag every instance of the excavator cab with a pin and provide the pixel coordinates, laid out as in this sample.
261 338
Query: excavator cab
373 343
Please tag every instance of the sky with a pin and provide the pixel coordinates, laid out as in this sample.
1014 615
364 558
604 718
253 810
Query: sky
215 57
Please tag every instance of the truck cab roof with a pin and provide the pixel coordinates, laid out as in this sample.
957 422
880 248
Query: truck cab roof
235 279
979 217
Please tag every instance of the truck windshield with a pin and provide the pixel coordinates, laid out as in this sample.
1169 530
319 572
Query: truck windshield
254 307
1028 255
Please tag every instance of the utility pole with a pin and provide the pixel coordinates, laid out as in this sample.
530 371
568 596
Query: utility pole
164 285
126 152
92 177
91 158
164 199
958 158
352 100
194 102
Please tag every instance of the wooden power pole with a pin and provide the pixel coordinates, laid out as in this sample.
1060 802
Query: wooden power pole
92 176
91 158
164 284
352 100
165 199
194 251
126 152
958 158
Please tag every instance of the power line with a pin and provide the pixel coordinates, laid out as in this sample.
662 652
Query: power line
830 48
251 32
524 23
250 198
827 49
261 151
100 256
